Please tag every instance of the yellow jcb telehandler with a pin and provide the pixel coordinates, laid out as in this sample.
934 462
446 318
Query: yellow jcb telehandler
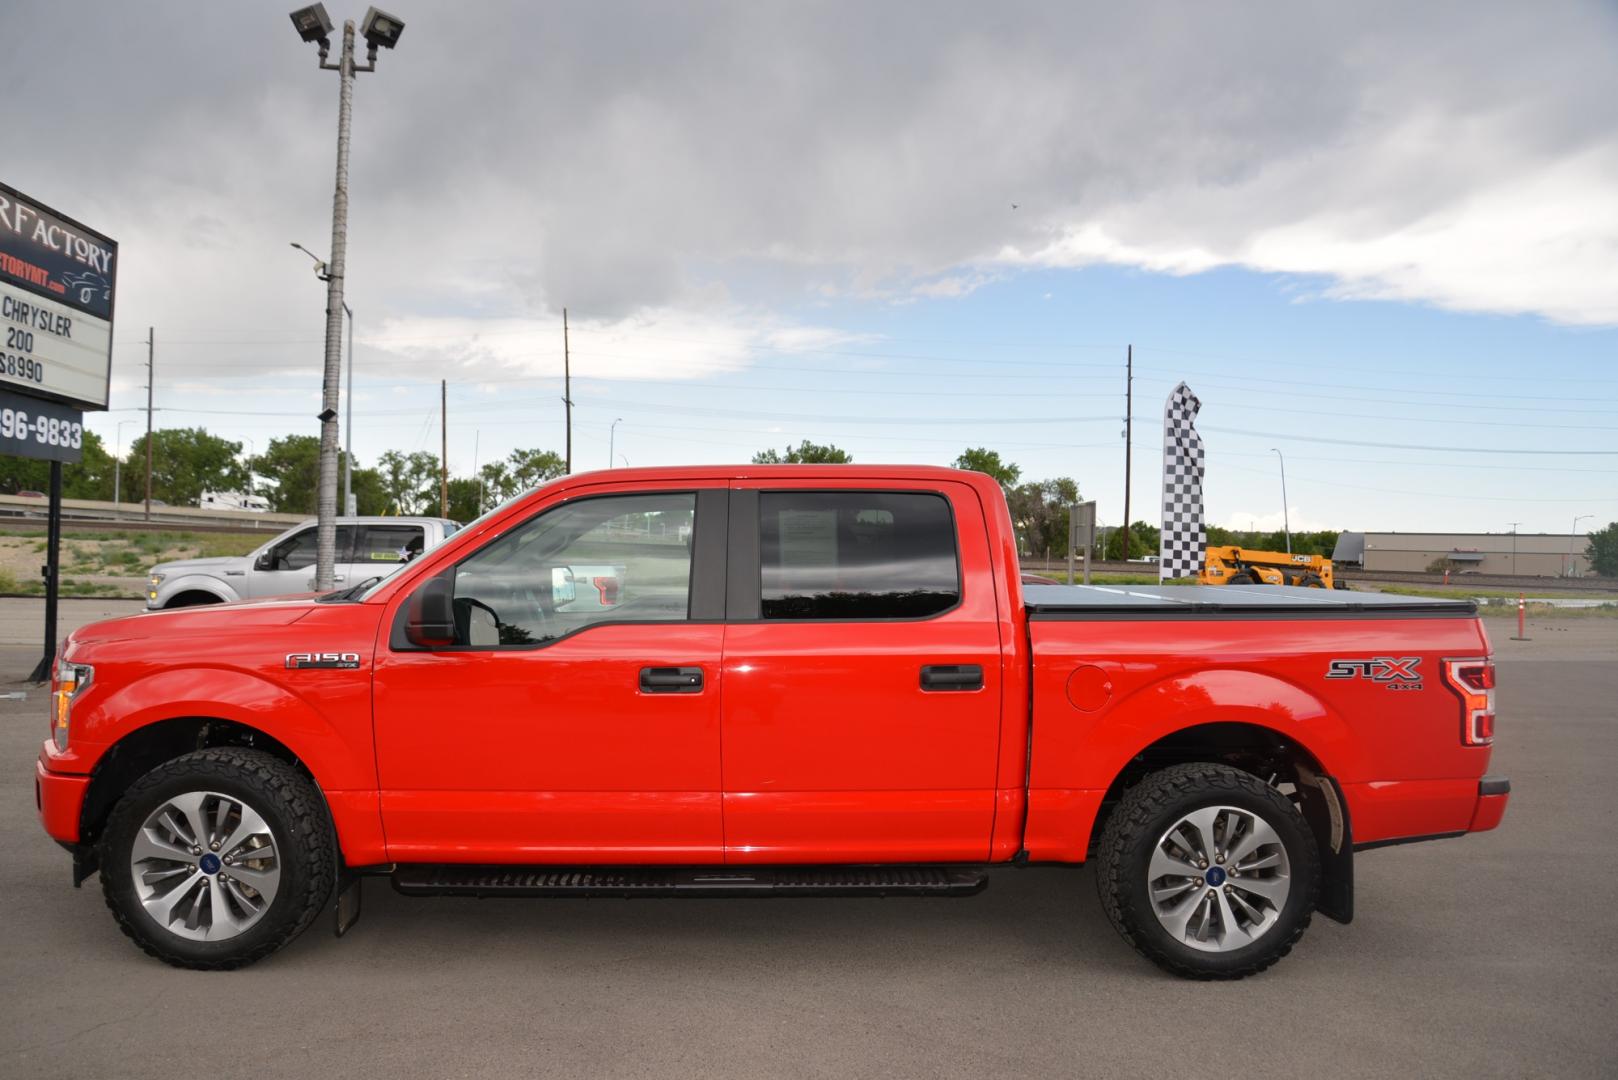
1229 565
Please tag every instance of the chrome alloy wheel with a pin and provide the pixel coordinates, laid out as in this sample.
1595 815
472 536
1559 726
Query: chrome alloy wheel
1219 878
205 866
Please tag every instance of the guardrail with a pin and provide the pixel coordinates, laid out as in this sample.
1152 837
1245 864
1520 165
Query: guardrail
90 513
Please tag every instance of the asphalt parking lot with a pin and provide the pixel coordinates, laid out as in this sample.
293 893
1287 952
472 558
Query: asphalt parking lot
1495 955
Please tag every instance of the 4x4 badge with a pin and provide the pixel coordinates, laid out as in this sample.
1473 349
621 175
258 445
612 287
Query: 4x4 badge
298 661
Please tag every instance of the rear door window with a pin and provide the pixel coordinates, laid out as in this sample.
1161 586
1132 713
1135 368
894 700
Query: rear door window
382 544
856 555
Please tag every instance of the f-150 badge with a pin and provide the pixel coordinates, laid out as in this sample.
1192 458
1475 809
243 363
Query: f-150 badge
1394 672
298 661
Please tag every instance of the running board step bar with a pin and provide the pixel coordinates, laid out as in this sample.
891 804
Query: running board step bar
655 881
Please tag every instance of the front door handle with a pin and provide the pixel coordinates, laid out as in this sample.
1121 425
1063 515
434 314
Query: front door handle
952 677
671 680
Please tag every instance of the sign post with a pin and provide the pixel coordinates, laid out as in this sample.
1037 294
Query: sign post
1081 532
56 301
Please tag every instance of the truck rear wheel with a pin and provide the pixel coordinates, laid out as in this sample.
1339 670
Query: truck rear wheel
218 858
1208 872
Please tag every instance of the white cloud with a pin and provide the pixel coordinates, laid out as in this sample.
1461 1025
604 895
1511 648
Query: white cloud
655 343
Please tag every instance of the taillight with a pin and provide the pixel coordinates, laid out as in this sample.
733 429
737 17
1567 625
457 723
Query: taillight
608 588
1473 680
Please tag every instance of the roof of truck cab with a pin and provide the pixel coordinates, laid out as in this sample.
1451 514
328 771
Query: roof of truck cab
1057 601
773 472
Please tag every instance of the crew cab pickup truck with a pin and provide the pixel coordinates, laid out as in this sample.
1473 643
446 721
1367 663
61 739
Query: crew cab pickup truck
811 680
367 547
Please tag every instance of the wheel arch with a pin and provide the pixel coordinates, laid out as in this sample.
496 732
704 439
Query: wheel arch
167 714
196 583
1277 757
146 747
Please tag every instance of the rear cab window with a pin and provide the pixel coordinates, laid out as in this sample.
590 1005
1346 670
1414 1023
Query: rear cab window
383 544
852 554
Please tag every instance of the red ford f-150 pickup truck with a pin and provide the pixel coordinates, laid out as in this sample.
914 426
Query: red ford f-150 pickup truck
808 680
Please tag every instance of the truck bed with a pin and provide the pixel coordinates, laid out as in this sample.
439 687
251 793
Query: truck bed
1274 601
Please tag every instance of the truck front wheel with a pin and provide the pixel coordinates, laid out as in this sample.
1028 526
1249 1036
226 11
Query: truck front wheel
218 858
1208 871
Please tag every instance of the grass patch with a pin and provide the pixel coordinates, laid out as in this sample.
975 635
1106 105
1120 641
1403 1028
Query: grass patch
1060 576
1462 591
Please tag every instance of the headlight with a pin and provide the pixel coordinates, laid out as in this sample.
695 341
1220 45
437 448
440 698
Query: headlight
151 586
71 680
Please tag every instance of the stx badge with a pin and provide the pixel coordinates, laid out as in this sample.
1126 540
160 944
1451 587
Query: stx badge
298 661
1393 672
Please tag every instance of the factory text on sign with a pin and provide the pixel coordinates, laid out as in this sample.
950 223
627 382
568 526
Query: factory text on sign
57 280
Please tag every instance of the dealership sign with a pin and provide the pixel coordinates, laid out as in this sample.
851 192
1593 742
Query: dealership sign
56 301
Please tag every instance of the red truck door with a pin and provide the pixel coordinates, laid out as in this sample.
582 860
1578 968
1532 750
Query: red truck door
574 718
862 675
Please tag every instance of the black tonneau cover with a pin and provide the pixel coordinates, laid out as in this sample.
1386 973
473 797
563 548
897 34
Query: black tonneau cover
1229 601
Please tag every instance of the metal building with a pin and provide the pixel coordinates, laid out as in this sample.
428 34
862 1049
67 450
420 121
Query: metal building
1532 554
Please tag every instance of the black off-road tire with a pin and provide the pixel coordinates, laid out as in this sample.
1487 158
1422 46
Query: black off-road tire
1146 813
305 846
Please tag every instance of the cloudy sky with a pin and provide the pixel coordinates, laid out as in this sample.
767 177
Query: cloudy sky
1382 238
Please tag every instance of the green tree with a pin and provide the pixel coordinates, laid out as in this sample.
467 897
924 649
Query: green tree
980 459
805 453
290 469
521 471
370 497
1603 551
1039 512
410 481
188 461
463 498
89 478
1143 540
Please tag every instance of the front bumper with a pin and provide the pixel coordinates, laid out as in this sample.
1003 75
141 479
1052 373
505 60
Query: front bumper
59 798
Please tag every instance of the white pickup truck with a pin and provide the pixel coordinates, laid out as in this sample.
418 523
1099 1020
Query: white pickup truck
367 547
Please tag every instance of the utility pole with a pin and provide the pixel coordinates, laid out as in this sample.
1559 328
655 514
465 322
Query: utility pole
443 448
1129 432
151 348
567 389
381 32
1514 525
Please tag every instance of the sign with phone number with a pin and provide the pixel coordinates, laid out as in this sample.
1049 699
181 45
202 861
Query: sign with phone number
40 429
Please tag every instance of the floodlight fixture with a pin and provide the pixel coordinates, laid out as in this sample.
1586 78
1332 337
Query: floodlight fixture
312 23
381 30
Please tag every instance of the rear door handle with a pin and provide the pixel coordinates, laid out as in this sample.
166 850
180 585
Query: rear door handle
952 677
671 680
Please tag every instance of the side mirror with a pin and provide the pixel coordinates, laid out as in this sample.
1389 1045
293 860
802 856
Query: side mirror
430 614
563 591
265 561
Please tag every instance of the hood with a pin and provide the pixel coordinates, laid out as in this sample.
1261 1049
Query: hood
181 566
210 619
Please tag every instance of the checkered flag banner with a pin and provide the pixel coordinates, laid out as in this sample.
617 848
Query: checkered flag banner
1184 540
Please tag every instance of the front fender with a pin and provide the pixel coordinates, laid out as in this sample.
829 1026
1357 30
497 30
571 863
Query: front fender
195 583
338 756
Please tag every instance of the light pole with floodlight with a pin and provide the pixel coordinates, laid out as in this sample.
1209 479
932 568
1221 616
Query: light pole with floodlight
612 434
348 392
1286 517
381 31
118 465
1572 536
